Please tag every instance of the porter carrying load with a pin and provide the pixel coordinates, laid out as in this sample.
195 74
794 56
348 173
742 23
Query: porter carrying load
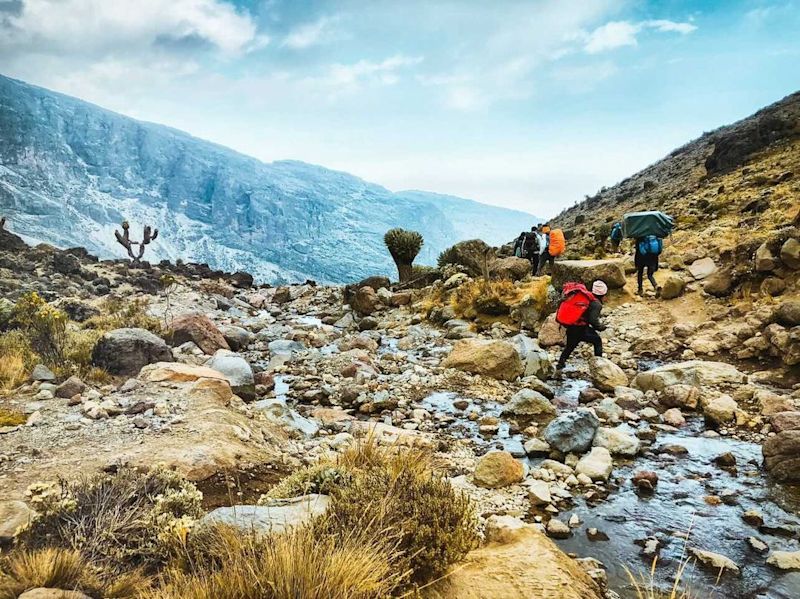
638 225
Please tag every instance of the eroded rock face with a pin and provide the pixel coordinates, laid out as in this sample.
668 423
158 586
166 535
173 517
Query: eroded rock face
497 359
611 272
782 455
198 329
126 351
498 469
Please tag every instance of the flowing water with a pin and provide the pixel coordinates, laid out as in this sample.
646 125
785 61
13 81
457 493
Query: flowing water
677 508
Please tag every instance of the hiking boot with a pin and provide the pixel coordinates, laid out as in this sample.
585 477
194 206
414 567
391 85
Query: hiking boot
658 292
558 374
640 291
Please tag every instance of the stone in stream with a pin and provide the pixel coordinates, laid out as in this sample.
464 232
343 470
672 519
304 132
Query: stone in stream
784 560
698 373
645 481
606 375
538 492
673 417
757 544
596 464
715 561
721 409
498 469
617 441
556 529
725 460
572 432
492 358
594 534
753 517
536 361
680 396
530 405
589 395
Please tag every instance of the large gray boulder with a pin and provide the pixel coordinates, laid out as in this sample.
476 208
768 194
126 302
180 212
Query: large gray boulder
697 373
275 517
702 268
126 351
572 432
536 361
237 370
237 337
611 272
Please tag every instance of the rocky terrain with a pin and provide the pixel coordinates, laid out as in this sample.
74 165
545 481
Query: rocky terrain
71 172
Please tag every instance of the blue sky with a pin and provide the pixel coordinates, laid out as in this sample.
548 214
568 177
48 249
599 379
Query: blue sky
524 104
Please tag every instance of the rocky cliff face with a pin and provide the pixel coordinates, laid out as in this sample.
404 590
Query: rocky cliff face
70 172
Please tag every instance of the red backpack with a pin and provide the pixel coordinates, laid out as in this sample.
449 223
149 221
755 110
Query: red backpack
576 301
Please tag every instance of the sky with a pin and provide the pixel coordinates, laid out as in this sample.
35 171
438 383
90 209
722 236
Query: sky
524 104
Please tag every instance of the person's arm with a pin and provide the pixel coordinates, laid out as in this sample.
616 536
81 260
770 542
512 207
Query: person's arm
593 316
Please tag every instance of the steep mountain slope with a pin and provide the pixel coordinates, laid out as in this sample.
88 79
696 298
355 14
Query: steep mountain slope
730 191
71 171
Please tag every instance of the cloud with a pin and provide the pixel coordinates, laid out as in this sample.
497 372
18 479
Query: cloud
344 76
90 27
321 31
617 34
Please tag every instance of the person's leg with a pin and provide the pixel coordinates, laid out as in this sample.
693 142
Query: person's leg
639 278
534 263
591 336
650 276
552 261
542 260
574 336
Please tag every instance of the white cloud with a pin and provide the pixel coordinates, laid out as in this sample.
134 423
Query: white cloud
617 34
87 27
345 76
321 31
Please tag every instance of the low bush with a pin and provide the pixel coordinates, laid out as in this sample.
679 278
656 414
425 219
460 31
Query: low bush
17 358
118 522
321 478
63 569
12 418
118 313
44 326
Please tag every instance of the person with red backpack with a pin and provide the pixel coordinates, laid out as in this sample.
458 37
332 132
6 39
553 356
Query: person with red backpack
579 314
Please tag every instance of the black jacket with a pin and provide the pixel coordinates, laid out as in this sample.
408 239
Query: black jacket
592 315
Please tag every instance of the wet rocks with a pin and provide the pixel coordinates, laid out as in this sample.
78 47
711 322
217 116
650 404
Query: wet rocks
498 469
784 560
496 359
725 460
126 351
556 529
757 545
572 432
673 417
782 455
596 464
679 396
721 409
528 404
697 373
538 492
606 375
200 330
753 517
536 361
617 441
714 561
645 481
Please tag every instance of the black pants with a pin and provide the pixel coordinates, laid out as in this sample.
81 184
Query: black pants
577 334
534 258
650 277
544 258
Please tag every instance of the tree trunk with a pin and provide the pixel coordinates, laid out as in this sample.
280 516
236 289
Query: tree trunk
404 271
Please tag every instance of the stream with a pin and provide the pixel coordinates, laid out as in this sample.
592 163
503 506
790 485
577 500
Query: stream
677 508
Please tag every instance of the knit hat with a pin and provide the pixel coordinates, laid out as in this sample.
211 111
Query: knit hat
599 288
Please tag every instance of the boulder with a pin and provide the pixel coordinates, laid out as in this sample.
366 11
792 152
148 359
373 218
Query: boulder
275 517
788 313
611 272
199 329
536 361
714 561
496 359
596 464
510 268
572 432
13 515
237 371
679 396
790 253
527 404
697 373
518 562
70 388
785 421
551 333
606 375
765 261
538 492
617 441
498 469
42 374
782 455
672 287
276 410
365 301
700 269
772 286
536 447
176 372
237 337
719 283
721 409
126 351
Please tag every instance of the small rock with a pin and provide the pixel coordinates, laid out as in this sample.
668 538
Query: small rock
557 529
42 373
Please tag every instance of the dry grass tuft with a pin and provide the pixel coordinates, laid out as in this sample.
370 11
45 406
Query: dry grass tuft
118 313
17 359
12 418
286 566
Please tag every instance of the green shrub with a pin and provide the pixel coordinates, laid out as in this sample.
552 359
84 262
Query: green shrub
118 313
118 522
44 325
321 478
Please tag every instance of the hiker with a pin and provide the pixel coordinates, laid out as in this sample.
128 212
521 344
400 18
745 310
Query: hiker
616 237
553 246
533 245
648 249
579 314
519 245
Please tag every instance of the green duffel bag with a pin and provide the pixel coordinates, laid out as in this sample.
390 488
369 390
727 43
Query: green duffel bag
641 224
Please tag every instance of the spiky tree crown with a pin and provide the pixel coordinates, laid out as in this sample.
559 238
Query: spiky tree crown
403 245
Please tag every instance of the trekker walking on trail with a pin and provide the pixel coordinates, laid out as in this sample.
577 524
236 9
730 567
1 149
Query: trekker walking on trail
647 250
616 237
579 313
554 245
533 245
